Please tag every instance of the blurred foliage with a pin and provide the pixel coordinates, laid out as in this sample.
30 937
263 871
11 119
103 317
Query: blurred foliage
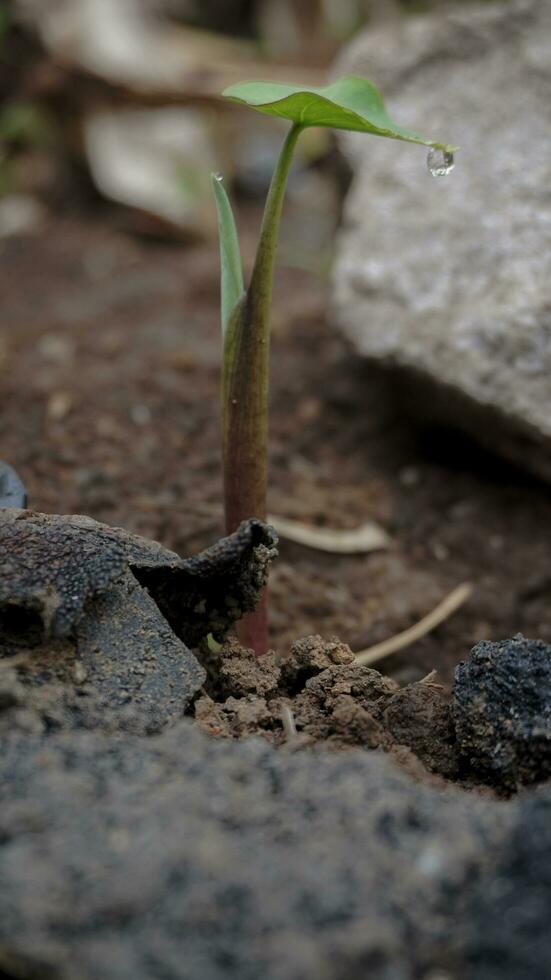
309 29
64 62
23 125
5 20
227 16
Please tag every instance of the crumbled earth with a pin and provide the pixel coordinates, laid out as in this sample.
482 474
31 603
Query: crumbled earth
308 657
495 731
334 702
182 856
235 671
501 710
419 717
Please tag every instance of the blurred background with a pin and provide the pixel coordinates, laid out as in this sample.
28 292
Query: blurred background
116 101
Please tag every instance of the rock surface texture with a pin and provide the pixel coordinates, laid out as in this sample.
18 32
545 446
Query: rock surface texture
501 711
179 856
449 279
98 622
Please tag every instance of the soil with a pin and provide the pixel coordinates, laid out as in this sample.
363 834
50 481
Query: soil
109 366
132 844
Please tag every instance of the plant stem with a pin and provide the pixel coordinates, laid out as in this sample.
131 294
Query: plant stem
245 388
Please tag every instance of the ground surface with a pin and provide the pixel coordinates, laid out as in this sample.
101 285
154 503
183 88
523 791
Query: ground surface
109 360
183 855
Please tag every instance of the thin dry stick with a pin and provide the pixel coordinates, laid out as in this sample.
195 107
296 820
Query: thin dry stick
358 540
288 722
443 610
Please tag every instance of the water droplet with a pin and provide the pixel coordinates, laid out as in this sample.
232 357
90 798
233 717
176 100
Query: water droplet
219 177
440 162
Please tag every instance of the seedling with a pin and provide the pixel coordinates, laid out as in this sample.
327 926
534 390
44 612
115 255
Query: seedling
351 103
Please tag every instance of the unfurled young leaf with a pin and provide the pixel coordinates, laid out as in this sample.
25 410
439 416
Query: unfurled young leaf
351 103
230 259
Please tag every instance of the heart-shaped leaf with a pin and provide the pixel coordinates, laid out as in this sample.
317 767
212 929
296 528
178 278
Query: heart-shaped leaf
350 103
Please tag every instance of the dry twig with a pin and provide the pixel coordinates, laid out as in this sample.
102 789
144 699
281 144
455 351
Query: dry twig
442 611
360 540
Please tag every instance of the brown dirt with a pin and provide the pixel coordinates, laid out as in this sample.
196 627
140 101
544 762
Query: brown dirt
333 702
109 361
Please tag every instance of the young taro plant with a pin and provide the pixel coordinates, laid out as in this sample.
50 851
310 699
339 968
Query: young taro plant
351 103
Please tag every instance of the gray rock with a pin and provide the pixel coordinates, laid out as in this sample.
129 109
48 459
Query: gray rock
450 278
180 856
12 490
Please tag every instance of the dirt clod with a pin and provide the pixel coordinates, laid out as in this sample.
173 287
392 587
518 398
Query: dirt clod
237 672
235 718
418 716
501 708
309 656
334 702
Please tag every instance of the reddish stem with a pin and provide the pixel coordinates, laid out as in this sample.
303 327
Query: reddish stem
245 389
252 629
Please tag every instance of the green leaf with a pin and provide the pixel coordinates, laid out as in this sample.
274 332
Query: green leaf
351 103
231 272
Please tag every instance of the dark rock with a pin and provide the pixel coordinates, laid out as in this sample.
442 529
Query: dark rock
209 592
96 620
124 670
504 936
501 709
51 566
183 856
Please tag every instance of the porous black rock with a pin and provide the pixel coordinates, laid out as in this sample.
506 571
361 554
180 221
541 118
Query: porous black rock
501 709
52 565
